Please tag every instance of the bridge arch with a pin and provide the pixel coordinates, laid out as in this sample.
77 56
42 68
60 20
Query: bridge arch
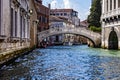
69 33
95 38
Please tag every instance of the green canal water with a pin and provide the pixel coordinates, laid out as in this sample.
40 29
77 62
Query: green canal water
65 63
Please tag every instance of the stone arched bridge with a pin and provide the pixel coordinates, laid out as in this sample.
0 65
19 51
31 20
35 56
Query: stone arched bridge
95 38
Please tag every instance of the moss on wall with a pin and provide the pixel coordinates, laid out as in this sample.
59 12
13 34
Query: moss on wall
7 56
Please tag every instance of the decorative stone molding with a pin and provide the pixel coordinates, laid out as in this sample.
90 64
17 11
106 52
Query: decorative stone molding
111 19
16 3
13 39
2 38
28 40
22 10
24 40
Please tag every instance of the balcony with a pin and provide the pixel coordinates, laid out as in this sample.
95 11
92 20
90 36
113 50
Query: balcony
112 13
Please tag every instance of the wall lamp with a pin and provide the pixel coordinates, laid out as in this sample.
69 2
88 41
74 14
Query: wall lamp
30 11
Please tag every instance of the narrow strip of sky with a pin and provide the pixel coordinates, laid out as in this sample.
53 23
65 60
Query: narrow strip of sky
81 6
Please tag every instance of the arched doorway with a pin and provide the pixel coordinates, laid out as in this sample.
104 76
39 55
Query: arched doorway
113 40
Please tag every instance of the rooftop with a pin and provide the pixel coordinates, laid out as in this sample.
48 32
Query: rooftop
63 10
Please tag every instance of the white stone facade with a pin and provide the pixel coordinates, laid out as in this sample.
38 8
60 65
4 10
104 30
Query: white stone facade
61 23
110 20
14 24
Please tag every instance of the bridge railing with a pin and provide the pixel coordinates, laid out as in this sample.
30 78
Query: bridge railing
83 30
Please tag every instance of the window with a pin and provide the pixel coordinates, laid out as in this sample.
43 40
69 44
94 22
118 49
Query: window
45 20
107 6
110 4
28 29
15 23
57 14
65 14
24 28
21 26
12 23
118 3
40 19
114 4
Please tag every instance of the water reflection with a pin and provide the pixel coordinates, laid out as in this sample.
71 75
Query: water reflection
65 63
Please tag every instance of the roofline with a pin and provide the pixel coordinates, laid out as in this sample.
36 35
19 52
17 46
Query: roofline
65 9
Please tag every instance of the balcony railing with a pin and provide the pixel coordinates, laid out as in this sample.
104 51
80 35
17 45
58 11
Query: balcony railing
114 12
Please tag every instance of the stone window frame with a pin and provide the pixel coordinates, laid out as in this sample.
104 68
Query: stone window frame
22 26
24 21
14 20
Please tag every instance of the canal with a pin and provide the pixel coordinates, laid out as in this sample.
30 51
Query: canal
65 63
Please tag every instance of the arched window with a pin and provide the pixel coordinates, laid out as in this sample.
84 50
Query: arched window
113 40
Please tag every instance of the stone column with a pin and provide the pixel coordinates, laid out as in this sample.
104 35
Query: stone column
103 6
116 4
18 24
103 35
112 4
108 5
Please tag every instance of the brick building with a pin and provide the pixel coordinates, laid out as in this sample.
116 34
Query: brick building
43 16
